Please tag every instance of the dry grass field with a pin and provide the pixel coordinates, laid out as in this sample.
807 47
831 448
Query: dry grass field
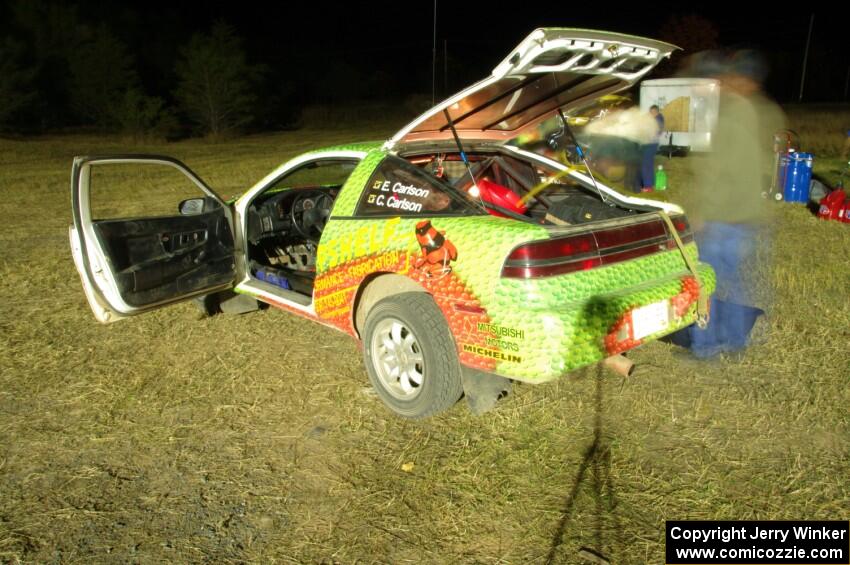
822 130
177 438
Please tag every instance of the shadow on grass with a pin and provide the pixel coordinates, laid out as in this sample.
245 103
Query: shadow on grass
596 462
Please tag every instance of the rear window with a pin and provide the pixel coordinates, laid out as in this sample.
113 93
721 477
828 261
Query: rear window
398 188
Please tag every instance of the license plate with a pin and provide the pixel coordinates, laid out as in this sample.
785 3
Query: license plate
650 319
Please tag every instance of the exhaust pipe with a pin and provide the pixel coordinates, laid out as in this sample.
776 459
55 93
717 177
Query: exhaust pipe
620 364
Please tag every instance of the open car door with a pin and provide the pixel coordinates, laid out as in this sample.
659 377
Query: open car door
130 265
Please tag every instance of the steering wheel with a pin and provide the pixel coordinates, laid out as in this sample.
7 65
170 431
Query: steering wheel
310 212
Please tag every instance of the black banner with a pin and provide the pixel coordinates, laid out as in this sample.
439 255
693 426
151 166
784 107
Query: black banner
758 543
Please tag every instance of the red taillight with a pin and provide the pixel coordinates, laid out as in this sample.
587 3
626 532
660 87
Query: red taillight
593 249
554 248
629 234
552 257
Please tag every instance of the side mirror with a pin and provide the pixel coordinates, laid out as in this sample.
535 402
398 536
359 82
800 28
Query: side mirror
191 207
195 206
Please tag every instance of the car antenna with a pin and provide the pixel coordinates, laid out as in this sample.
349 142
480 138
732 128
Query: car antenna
581 154
474 191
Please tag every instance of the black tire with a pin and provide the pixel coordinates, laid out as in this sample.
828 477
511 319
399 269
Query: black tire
439 370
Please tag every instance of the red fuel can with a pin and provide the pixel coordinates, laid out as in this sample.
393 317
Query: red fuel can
845 212
833 206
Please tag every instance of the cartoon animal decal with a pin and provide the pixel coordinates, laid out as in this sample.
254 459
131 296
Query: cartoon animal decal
437 251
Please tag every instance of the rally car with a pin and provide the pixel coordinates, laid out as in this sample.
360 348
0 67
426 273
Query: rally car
460 261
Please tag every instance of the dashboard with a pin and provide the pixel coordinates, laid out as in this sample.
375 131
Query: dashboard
299 212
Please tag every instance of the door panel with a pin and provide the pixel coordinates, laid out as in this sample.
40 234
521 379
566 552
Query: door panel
158 258
133 265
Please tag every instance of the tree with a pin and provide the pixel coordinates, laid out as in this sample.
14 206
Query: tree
101 71
51 31
15 81
215 81
141 116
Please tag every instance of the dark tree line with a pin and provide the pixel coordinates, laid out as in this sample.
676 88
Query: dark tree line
58 70
165 69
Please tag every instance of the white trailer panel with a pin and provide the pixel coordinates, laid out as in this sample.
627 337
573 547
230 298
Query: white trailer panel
690 107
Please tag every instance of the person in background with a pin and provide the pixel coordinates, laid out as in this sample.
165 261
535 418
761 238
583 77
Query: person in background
729 214
621 137
647 166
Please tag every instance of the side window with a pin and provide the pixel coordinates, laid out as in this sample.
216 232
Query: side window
138 190
316 174
398 188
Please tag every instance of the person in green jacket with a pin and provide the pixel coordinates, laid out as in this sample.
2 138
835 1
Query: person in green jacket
728 211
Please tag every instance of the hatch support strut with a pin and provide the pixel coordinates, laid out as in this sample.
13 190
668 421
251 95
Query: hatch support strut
474 188
580 152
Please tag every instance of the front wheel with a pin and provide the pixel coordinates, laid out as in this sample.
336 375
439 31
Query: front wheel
410 355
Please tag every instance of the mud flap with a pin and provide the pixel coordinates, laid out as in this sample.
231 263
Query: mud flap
226 302
231 303
482 390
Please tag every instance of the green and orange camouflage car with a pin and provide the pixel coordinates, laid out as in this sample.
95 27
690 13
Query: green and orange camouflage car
460 261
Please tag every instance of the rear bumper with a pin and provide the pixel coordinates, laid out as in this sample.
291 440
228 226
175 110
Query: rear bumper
546 343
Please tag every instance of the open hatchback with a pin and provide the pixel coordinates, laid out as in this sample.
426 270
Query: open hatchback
461 262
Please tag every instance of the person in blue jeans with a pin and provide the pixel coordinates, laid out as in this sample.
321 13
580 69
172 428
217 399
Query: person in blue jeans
728 248
730 216
647 168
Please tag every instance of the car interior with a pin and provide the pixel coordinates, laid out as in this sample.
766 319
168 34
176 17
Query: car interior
512 187
285 223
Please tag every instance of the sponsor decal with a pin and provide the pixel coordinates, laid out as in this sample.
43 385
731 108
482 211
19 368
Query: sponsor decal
369 239
402 189
334 300
345 278
395 202
501 331
491 353
396 197
437 252
501 343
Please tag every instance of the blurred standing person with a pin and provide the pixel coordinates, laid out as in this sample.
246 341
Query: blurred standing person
647 165
729 213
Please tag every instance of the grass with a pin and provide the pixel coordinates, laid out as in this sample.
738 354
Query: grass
822 130
177 438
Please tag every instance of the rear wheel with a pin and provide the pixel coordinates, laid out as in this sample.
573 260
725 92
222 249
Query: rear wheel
410 355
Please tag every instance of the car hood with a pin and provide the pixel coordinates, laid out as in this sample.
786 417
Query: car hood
552 68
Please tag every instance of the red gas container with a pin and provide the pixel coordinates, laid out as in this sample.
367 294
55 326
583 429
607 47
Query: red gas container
500 196
833 206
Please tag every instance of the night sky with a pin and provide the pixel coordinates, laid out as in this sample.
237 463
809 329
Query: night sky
396 37
327 53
